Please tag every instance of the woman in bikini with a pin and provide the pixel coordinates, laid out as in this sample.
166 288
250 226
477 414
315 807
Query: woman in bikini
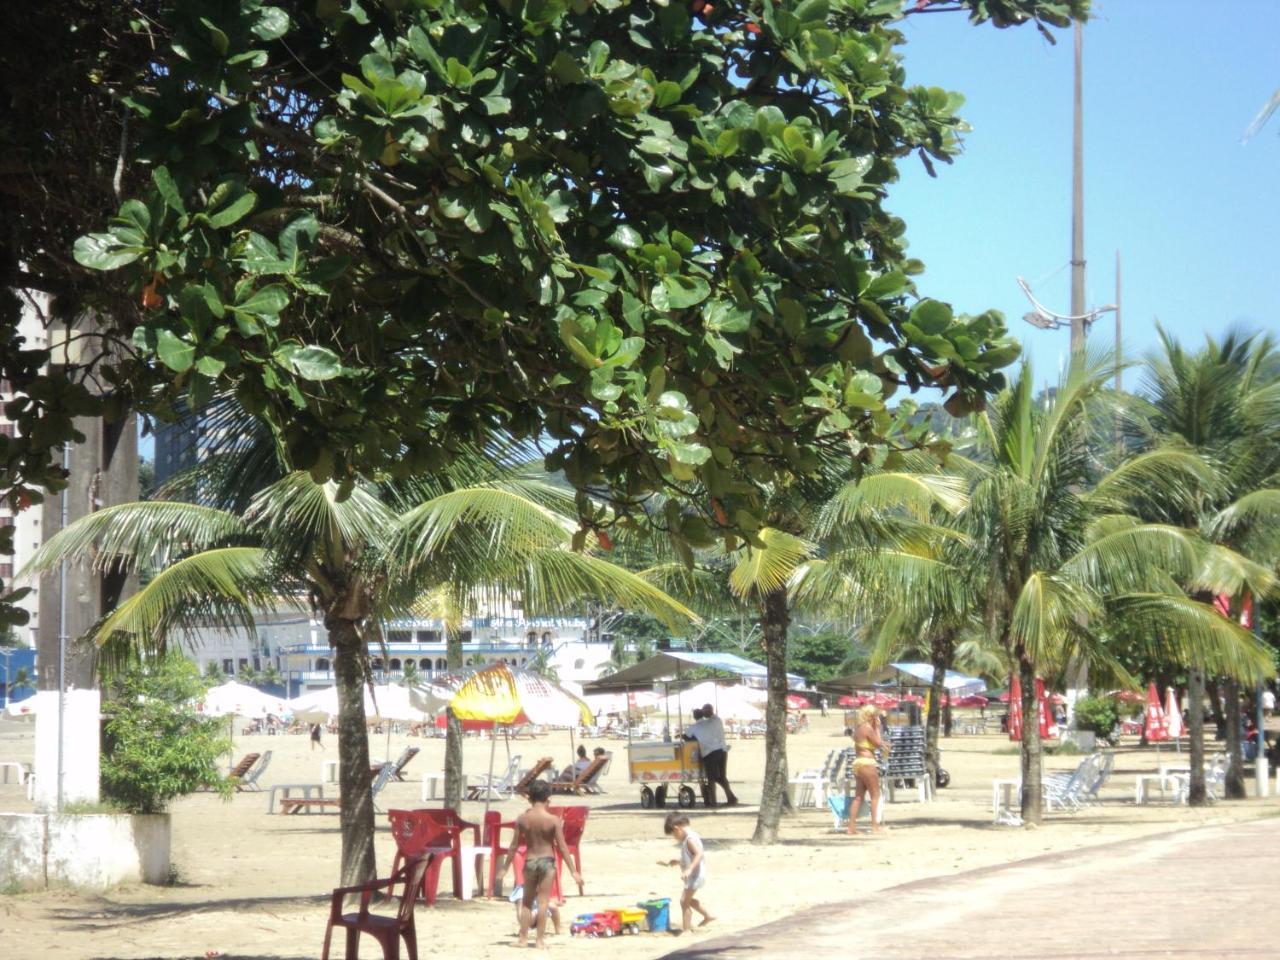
866 775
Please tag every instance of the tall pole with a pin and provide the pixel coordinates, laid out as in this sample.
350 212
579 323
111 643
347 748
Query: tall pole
1078 325
1119 361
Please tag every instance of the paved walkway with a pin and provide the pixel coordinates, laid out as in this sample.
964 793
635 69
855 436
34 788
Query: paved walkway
1205 893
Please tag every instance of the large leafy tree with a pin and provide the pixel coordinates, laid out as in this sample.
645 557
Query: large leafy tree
656 237
1220 402
357 560
1067 564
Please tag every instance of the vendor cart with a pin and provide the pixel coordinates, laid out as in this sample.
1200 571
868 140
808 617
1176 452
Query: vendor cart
660 766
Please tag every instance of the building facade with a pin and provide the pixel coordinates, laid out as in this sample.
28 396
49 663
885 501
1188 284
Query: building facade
296 645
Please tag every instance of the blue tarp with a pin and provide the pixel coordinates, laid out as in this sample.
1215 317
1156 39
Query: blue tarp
956 683
669 664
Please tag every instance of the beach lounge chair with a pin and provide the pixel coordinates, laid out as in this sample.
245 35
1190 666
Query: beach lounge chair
1067 793
592 784
521 789
334 804
577 784
811 784
387 930
249 782
496 787
1101 775
241 770
403 761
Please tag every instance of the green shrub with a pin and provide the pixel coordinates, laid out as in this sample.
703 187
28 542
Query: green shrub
1098 714
155 745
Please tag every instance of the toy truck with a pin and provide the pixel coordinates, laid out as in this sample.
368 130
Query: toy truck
606 923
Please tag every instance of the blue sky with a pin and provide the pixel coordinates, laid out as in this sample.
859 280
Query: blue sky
1169 88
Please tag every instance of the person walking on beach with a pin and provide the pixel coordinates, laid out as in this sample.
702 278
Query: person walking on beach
709 732
315 737
542 833
693 868
866 774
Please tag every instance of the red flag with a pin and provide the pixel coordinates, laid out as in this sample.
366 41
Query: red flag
1156 725
1246 611
1015 708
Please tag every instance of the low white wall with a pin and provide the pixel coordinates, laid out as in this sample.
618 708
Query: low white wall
83 851
80 759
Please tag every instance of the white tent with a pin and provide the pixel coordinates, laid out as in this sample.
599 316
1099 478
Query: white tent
738 702
387 702
237 699
636 702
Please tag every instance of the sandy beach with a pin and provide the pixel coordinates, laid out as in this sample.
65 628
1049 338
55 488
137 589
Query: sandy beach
253 886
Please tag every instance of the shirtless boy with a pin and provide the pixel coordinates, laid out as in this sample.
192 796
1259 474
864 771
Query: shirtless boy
542 833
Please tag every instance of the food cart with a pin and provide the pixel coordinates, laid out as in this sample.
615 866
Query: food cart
660 766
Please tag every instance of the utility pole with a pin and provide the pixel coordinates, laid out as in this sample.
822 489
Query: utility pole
1119 367
1079 321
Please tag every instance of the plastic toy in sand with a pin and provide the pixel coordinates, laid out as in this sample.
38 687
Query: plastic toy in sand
608 923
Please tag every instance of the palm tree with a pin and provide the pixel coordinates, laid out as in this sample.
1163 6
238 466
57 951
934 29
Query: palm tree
1221 403
1067 566
357 555
809 556
21 680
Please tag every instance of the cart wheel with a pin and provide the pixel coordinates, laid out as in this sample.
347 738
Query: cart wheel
942 779
646 798
685 797
661 796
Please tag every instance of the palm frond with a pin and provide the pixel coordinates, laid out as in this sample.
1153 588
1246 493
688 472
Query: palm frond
1226 571
1173 627
1172 474
220 587
556 579
136 535
484 519
917 494
764 569
1258 508
299 517
1049 609
1123 555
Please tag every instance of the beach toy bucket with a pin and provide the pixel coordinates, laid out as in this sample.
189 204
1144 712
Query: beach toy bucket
659 914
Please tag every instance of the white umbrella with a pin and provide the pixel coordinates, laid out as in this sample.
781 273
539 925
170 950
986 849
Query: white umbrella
237 699
637 701
1173 717
21 709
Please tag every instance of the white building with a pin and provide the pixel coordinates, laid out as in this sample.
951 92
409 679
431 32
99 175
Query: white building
297 645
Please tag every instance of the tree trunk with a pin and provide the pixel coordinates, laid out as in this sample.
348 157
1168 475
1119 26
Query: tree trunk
1214 690
453 732
1032 782
939 655
1233 787
774 800
354 780
1195 733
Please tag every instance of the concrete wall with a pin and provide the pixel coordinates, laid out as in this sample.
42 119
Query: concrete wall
80 748
84 851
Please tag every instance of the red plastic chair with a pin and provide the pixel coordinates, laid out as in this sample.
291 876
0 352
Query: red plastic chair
435 832
575 824
387 930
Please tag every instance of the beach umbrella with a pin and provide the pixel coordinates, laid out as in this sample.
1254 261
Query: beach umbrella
911 698
500 695
797 702
737 702
972 700
1048 725
232 699
629 703
1154 726
1173 717
849 700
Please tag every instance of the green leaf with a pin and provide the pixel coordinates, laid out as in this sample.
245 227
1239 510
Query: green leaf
168 190
310 362
684 291
931 316
216 36
267 302
101 251
234 211
272 24
174 353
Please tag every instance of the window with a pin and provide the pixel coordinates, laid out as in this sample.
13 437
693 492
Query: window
428 636
466 636
244 663
228 667
322 663
442 663
395 664
400 636
377 663
425 663
257 663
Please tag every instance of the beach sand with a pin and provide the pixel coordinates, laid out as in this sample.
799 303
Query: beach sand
250 885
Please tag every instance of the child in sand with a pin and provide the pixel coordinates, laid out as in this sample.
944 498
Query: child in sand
542 833
693 868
